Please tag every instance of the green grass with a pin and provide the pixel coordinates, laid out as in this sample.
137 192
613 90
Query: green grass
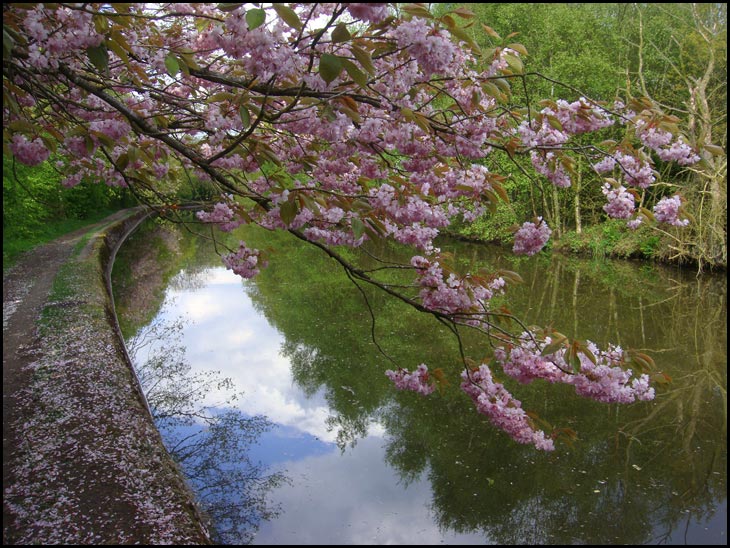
611 239
15 244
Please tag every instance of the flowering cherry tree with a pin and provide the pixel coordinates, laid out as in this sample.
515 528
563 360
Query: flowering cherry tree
341 124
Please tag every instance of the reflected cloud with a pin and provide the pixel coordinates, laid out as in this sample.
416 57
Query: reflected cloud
344 499
248 353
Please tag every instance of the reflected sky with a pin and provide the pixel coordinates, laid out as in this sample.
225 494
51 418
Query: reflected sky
354 496
223 332
343 497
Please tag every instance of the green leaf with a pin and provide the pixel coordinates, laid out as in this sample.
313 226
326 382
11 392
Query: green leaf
499 189
288 15
514 63
491 32
554 123
491 89
288 210
364 58
229 6
510 276
187 62
330 67
8 44
571 356
171 64
341 34
245 116
133 154
502 84
462 35
714 150
588 354
255 18
466 13
648 215
115 46
518 48
553 347
122 161
23 126
354 72
358 227
99 57
418 10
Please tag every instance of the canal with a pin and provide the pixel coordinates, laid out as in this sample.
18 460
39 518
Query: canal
272 394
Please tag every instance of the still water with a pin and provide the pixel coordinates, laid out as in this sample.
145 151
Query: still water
319 448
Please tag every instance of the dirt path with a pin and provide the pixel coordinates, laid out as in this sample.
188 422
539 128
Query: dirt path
26 287
94 473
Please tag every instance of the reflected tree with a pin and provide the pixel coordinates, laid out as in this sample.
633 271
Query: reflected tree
211 443
636 486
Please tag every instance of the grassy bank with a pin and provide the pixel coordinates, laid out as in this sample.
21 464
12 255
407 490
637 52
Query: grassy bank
15 243
613 239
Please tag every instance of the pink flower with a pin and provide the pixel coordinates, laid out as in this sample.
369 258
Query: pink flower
503 410
602 380
244 262
418 381
620 202
222 214
667 210
30 153
531 238
372 13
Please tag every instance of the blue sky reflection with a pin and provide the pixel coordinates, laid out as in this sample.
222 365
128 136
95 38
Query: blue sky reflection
334 497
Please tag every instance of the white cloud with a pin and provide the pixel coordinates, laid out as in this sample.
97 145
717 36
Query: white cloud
353 498
227 334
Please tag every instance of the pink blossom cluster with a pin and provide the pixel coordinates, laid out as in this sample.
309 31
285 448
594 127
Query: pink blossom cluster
245 262
531 237
331 236
580 116
450 293
503 410
433 49
620 203
549 165
222 215
603 380
679 152
668 210
572 119
418 381
553 128
58 34
113 128
665 145
633 224
29 152
636 171
371 12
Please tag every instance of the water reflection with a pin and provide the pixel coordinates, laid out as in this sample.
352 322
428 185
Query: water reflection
212 444
370 465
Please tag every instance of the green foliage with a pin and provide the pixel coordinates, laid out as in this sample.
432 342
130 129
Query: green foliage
494 227
572 43
675 53
37 208
611 239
